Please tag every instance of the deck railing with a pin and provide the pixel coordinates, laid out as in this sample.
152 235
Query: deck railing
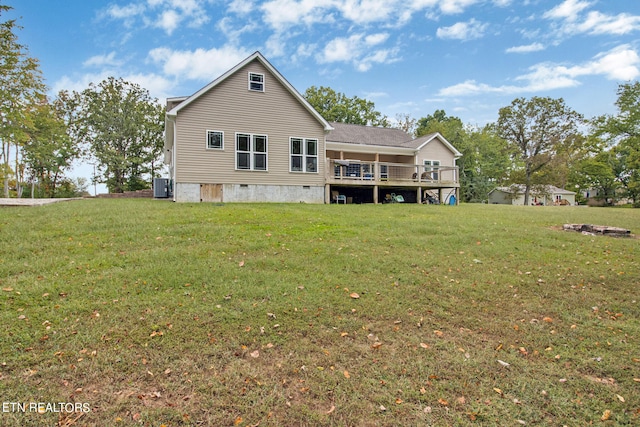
359 172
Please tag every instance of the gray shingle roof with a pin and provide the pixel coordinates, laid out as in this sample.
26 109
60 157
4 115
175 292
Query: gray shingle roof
369 135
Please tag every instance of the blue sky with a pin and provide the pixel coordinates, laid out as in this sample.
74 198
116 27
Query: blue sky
467 57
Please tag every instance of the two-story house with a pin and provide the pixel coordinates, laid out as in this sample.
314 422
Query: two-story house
250 136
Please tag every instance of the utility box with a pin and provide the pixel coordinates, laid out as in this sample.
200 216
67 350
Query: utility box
161 189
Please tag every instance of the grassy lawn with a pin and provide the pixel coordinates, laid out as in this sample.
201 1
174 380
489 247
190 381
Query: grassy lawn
154 313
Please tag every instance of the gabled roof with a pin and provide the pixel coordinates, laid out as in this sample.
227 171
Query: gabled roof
383 137
420 142
367 135
255 56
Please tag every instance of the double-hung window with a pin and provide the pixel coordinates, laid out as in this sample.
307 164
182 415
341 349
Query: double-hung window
304 155
431 167
215 140
256 82
251 152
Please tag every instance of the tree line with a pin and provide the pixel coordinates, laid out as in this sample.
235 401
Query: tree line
535 142
119 127
114 124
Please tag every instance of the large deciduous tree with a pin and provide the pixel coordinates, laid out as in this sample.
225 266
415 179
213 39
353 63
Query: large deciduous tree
337 107
622 131
485 158
536 128
21 87
49 151
123 128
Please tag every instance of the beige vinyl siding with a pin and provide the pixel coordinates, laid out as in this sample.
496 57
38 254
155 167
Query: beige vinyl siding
230 107
436 150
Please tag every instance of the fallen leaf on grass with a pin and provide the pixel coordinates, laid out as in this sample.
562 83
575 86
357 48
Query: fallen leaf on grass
255 354
347 375
505 364
620 398
354 295
376 345
439 334
241 263
497 390
333 408
423 345
443 402
606 415
238 421
7 289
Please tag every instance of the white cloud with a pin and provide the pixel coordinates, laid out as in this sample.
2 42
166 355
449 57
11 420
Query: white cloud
598 23
241 6
167 15
620 63
125 12
199 64
365 11
533 47
102 60
572 20
158 86
168 21
455 6
357 49
79 83
463 30
281 14
568 10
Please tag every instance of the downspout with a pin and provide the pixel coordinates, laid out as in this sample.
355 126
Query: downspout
173 157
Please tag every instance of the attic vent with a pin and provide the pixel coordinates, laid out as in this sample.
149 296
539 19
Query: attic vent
244 186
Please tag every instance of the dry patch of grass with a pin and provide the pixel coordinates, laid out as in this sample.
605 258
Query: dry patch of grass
158 313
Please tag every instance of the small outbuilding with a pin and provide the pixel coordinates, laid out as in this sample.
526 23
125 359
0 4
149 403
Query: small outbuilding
547 195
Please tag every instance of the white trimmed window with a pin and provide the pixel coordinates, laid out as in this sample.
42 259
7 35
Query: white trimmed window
432 166
256 82
251 152
215 140
304 155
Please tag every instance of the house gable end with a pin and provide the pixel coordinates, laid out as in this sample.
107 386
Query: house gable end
257 56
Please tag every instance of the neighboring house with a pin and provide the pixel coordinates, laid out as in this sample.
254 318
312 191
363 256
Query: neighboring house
249 136
546 196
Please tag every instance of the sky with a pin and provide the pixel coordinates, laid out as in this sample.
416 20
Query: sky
467 57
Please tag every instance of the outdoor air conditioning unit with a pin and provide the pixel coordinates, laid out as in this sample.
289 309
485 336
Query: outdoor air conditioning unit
161 189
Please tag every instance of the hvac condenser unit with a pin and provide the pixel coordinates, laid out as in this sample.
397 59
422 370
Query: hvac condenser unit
161 188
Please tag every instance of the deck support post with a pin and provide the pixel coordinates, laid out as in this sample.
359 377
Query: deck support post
327 194
375 194
419 195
